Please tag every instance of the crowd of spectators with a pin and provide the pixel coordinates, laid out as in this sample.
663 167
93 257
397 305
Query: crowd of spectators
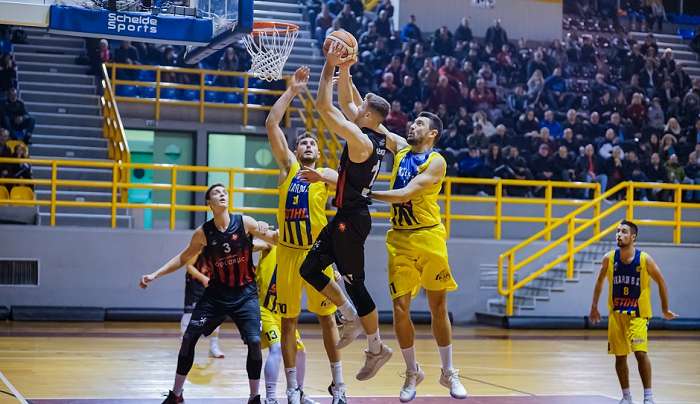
16 125
594 108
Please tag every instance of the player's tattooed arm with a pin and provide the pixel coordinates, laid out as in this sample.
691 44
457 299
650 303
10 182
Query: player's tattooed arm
260 229
655 274
193 249
594 314
431 176
326 175
278 142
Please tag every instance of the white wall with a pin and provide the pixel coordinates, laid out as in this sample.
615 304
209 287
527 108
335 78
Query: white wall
25 12
533 19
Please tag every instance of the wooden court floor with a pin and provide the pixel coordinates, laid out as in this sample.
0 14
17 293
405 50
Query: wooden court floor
92 363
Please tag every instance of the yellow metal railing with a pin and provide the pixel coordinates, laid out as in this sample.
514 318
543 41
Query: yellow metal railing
201 103
113 130
507 260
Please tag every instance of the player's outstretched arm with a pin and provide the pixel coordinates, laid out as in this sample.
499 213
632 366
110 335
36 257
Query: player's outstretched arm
655 274
359 145
594 314
421 182
349 98
327 176
193 249
394 142
278 142
260 229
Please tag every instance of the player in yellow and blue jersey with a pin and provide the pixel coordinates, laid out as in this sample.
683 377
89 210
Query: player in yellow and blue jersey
628 271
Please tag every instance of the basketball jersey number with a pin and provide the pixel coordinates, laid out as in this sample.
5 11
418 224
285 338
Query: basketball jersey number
375 173
295 200
271 335
227 248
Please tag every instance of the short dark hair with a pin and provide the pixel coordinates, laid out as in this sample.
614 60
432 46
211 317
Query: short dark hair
303 135
211 188
632 226
378 104
435 123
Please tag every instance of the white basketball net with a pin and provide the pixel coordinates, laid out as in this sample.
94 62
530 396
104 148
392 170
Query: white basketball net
270 49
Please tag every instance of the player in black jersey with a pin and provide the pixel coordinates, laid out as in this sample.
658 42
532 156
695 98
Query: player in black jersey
342 241
226 244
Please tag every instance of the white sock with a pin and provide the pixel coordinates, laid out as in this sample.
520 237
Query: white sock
272 370
374 342
647 393
254 387
337 372
626 394
347 310
179 382
446 356
301 368
409 356
213 341
184 321
291 374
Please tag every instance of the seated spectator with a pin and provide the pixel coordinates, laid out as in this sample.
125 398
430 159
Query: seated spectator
21 123
673 127
489 77
478 139
386 6
655 115
482 98
501 137
22 170
556 92
334 6
570 141
655 172
445 94
324 21
481 118
516 169
410 31
541 168
555 129
692 172
636 112
528 124
471 164
387 89
675 173
517 102
358 7
428 76
615 168
494 164
591 168
228 63
594 129
535 85
695 42
397 120
126 54
537 63
649 78
8 73
368 38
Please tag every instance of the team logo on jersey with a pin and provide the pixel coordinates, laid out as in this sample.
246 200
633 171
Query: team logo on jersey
443 276
234 237
341 226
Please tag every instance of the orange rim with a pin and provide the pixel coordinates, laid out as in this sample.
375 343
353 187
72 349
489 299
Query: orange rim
270 27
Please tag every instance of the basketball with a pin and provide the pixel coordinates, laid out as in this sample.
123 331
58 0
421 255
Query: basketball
345 38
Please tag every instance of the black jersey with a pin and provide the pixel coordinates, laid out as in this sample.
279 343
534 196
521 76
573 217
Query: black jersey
229 254
355 180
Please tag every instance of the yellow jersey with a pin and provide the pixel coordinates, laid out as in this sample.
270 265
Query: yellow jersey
301 210
629 291
423 210
266 279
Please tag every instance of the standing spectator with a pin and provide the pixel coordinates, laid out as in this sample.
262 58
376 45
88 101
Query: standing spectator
21 123
387 7
408 94
463 33
323 21
496 35
8 73
228 63
442 42
347 20
658 15
590 168
383 24
396 121
411 32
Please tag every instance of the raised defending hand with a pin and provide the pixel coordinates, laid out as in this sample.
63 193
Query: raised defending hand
309 175
145 280
300 79
594 315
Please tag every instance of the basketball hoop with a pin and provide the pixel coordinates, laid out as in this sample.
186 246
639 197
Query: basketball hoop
269 45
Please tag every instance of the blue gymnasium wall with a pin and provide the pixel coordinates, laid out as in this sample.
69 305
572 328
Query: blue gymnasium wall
102 267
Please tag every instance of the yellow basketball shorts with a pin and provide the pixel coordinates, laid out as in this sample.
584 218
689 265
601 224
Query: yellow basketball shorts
627 334
272 329
418 258
290 285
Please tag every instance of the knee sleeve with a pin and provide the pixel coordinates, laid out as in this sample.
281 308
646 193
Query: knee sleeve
360 297
312 272
185 358
253 363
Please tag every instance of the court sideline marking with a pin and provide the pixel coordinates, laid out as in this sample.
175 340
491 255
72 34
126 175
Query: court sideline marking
13 390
